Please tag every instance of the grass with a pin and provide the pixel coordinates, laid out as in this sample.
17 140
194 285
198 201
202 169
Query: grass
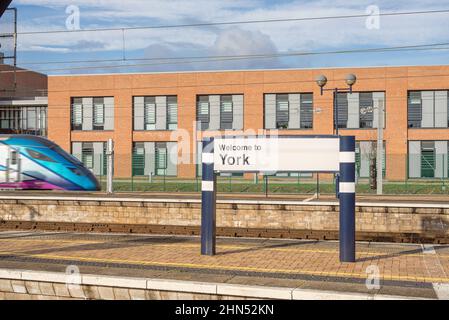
287 186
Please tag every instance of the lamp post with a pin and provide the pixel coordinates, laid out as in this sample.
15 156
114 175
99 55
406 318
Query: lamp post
321 81
350 80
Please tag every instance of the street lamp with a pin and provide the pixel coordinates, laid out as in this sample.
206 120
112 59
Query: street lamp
350 80
321 81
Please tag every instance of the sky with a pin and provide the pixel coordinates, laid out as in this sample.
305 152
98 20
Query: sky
243 39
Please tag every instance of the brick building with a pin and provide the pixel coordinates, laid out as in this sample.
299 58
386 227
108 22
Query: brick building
23 101
158 119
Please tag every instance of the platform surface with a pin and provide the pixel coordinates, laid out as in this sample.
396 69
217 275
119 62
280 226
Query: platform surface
408 270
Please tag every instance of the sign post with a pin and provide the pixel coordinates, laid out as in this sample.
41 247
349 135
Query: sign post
347 198
110 165
208 199
329 154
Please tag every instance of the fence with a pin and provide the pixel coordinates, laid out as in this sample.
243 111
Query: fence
429 177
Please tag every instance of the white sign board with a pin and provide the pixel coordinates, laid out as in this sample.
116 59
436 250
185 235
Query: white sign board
276 154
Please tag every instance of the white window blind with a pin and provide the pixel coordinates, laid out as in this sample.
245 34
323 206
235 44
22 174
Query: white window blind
77 114
282 105
415 99
226 106
88 160
150 113
204 108
161 158
99 114
172 110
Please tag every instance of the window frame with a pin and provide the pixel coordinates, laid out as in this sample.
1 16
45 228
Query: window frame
148 125
95 108
229 119
171 125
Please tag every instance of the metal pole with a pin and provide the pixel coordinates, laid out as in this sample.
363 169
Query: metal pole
15 47
266 186
380 147
347 198
110 165
337 176
208 199
336 110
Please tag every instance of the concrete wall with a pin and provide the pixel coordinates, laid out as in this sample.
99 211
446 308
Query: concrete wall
422 222
44 285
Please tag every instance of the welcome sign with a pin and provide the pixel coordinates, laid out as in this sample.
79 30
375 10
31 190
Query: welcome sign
276 154
280 154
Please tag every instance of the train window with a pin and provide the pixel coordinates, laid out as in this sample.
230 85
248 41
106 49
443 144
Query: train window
39 156
76 171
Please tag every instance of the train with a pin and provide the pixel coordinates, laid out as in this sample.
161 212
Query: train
35 163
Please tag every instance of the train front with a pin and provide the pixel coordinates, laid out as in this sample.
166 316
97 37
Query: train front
44 165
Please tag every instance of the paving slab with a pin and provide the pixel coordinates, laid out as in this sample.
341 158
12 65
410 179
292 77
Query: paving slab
407 270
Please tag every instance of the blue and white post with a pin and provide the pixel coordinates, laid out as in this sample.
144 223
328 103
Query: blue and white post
347 198
208 199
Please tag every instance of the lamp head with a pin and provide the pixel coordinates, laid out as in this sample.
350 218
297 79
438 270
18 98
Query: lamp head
350 79
321 80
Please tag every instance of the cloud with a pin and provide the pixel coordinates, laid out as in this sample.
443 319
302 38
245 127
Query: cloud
229 42
316 35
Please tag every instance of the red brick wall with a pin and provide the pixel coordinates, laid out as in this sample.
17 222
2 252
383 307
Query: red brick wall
29 83
395 81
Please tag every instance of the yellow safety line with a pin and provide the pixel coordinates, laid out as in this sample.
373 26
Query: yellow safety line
233 268
369 253
51 240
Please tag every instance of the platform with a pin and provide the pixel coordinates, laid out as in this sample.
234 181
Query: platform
303 269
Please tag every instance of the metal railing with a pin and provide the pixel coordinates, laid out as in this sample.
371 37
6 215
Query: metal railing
429 177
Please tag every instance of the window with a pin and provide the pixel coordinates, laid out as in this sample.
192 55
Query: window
306 111
365 156
428 109
366 109
154 158
204 108
203 112
360 109
172 113
23 120
92 113
288 111
38 155
342 110
282 111
92 155
98 114
161 159
220 112
428 159
226 109
150 116
155 113
88 155
138 159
